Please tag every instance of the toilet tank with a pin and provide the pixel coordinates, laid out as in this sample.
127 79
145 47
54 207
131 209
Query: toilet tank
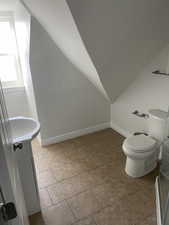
158 124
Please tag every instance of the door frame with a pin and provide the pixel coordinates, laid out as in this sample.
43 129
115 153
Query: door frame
9 173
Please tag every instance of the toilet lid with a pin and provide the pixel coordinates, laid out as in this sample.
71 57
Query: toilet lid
139 143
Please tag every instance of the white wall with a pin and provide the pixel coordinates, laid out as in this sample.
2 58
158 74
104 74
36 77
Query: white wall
146 92
7 5
16 102
66 100
121 36
22 27
57 20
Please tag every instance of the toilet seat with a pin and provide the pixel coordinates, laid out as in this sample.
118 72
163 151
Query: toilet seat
139 144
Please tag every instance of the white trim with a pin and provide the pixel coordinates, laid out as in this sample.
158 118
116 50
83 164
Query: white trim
120 130
158 207
6 15
74 134
13 89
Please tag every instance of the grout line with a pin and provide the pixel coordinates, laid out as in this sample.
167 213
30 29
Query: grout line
71 210
66 179
49 196
74 195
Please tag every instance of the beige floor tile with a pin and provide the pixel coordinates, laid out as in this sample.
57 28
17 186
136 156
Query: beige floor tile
104 174
84 204
37 219
58 215
129 210
92 162
131 185
137 206
42 164
88 140
91 158
104 194
111 193
68 146
45 179
110 139
69 187
97 149
146 183
86 221
88 173
111 216
118 214
75 153
38 149
49 159
51 154
54 148
99 176
107 158
151 220
62 171
45 200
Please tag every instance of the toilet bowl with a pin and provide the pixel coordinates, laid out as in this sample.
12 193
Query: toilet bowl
142 155
142 150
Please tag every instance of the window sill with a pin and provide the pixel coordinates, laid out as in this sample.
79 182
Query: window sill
13 89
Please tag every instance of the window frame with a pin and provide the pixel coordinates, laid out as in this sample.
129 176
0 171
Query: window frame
9 17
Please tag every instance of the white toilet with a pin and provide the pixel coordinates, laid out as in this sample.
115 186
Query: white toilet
142 150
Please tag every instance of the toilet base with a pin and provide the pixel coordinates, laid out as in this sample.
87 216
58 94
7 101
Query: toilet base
140 167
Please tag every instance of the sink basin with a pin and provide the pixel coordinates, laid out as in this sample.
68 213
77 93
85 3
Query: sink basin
24 128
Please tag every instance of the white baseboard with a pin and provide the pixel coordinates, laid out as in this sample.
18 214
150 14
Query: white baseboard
120 130
74 134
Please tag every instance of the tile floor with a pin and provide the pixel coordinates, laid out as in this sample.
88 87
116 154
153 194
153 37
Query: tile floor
82 182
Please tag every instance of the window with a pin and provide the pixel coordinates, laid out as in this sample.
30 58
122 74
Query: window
10 70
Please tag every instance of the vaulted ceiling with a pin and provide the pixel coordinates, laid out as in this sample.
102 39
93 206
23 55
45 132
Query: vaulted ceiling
114 41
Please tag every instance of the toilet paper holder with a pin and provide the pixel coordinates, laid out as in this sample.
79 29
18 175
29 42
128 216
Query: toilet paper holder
142 115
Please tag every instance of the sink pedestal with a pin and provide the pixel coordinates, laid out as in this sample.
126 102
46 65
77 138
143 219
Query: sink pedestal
24 130
28 177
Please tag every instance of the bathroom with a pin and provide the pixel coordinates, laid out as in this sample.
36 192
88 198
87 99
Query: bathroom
80 91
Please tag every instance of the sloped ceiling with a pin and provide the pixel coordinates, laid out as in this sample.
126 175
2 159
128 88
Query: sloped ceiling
122 37
57 20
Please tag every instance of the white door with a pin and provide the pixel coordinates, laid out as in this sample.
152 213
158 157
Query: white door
9 176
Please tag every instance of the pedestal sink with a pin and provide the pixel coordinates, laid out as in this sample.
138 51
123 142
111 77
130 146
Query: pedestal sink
24 128
23 131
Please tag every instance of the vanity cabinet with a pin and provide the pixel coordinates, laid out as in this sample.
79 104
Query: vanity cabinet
28 177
